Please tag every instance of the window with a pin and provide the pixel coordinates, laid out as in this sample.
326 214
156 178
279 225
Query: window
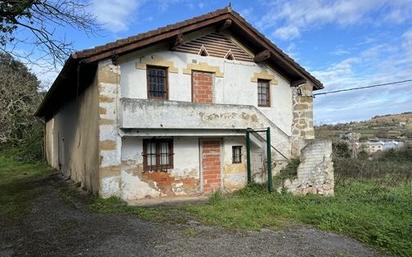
157 154
157 83
236 154
263 93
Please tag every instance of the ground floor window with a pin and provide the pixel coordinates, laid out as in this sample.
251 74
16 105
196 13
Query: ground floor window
157 154
236 154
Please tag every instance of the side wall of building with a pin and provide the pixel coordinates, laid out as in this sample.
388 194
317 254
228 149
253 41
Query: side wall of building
71 139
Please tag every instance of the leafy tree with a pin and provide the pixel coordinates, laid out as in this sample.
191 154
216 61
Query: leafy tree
19 98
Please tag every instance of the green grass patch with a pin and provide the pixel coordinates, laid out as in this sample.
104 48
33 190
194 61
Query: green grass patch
19 184
370 212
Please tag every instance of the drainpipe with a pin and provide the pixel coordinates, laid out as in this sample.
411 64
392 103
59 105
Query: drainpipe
269 160
249 171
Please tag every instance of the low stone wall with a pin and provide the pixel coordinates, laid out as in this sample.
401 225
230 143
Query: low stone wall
315 171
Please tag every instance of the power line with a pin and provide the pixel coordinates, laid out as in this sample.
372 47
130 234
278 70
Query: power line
370 86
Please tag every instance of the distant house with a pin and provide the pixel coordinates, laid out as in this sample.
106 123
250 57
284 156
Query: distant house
164 113
382 145
373 147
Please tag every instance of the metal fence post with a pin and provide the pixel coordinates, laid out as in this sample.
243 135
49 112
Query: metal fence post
249 171
269 160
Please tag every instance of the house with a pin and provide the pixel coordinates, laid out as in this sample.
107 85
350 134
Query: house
165 113
374 146
382 145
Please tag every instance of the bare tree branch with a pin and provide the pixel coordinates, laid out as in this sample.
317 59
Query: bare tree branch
41 18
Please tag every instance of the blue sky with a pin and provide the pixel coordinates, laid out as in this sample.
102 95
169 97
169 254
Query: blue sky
344 43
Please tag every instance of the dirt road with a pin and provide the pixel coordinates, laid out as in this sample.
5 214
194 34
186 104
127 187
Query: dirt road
58 227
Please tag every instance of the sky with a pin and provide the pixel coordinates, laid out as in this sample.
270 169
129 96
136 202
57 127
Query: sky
344 43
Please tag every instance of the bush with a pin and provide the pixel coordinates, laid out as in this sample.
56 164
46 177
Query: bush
390 167
341 149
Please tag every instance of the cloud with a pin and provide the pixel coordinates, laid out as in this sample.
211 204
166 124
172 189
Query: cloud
378 63
289 19
115 15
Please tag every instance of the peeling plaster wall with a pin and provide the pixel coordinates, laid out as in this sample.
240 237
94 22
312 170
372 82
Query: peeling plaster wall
234 175
182 180
236 83
72 139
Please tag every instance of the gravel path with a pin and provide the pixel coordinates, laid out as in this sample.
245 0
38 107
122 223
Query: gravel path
55 227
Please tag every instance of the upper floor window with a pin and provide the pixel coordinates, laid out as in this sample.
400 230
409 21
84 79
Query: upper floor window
263 93
157 87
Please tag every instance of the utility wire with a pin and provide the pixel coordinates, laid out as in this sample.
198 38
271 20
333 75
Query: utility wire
370 86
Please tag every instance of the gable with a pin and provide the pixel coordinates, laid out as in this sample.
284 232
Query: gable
216 45
81 66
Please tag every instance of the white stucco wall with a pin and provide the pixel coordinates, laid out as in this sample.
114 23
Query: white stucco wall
186 154
235 87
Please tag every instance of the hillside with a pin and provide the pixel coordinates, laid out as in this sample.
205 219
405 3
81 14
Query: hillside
393 126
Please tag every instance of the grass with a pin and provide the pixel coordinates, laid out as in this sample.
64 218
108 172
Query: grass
372 213
19 184
373 202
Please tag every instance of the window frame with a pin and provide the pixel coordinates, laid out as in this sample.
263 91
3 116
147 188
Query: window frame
166 82
268 98
234 159
158 167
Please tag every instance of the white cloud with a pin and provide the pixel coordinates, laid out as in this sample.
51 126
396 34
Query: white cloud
290 18
115 15
379 63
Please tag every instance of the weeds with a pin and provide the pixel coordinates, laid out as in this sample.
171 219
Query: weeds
20 182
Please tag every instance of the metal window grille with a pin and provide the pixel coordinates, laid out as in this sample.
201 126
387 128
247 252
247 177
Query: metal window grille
157 82
236 154
263 93
157 154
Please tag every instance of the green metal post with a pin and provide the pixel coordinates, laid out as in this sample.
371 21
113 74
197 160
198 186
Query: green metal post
269 160
249 170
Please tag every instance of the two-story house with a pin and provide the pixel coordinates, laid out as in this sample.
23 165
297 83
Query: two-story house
164 113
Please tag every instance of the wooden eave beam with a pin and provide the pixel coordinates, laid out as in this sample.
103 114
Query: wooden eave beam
176 41
299 82
225 25
154 39
262 56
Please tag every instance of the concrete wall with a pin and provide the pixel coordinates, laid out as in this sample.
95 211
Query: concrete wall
72 140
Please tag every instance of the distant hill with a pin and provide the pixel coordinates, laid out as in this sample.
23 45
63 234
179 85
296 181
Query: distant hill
393 126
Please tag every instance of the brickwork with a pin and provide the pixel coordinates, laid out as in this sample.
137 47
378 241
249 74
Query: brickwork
211 166
302 125
202 87
315 172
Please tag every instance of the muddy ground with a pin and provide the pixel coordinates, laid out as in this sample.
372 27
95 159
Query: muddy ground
58 226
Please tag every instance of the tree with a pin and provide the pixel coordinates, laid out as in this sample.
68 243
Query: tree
19 98
40 18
